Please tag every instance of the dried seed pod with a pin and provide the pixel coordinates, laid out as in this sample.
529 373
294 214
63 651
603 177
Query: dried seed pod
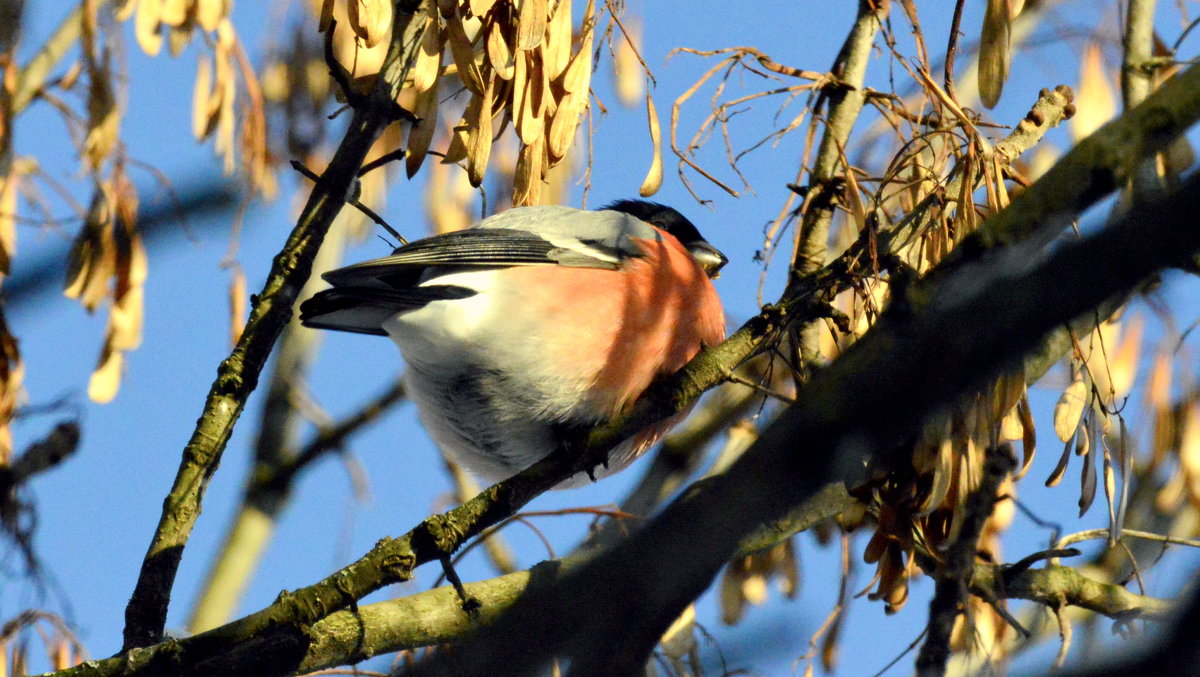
421 134
479 137
203 114
106 379
500 55
531 23
1059 470
628 74
578 75
995 52
1096 102
175 12
463 52
654 177
428 64
557 47
237 305
210 12
92 259
146 26
371 20
1069 409
527 179
528 100
481 7
456 151
179 37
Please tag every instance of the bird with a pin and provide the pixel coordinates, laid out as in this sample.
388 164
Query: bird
525 331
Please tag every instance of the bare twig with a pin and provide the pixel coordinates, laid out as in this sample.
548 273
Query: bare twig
1096 534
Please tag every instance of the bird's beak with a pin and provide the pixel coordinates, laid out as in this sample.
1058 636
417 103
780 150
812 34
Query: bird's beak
709 257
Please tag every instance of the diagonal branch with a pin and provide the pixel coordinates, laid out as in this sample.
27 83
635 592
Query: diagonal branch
238 375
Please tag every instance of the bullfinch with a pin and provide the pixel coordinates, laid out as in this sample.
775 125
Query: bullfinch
526 330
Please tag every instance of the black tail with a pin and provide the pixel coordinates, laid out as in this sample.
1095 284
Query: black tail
363 310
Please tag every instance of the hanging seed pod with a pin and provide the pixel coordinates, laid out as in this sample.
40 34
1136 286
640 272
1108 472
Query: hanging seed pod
654 177
500 55
531 23
995 52
428 64
421 134
479 136
371 20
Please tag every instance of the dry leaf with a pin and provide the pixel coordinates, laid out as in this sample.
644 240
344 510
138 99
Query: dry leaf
428 63
628 75
174 12
462 51
1095 101
531 23
556 51
146 26
654 177
421 134
499 54
1069 409
209 13
995 52
104 121
371 20
203 119
479 135
1124 363
237 305
106 379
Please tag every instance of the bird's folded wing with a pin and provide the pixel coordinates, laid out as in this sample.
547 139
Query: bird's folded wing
479 247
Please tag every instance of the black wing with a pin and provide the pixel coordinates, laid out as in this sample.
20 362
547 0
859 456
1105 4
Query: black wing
477 247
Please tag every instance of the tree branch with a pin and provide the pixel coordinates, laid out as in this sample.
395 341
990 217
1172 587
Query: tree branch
845 103
1056 584
271 310
955 571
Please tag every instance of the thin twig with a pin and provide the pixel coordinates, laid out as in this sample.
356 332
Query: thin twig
957 567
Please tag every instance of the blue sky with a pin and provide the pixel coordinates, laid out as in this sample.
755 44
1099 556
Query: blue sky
97 511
